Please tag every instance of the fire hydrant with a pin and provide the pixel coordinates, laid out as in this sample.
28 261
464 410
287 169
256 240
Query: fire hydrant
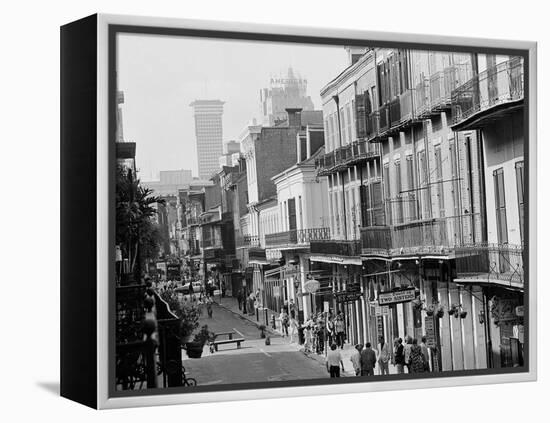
273 321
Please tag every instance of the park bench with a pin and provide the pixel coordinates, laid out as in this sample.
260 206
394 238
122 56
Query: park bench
229 334
237 341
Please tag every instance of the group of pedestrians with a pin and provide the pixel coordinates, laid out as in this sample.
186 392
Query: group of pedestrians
411 356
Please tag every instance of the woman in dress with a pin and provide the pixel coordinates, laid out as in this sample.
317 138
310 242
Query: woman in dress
417 358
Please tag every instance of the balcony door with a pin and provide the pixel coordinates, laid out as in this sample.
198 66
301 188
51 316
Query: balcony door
292 214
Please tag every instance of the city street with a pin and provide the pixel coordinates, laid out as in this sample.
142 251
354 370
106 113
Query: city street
254 361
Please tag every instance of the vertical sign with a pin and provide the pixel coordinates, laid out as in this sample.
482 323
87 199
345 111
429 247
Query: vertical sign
430 332
380 325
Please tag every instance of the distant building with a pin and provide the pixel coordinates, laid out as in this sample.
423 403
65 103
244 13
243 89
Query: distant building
231 153
171 181
286 92
209 133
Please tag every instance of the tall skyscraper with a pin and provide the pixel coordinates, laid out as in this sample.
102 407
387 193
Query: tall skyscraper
209 133
284 93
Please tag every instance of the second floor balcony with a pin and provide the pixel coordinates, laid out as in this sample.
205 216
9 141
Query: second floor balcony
247 241
432 236
347 248
296 237
348 155
491 263
487 95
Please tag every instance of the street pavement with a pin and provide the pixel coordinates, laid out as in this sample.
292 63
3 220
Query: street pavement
254 361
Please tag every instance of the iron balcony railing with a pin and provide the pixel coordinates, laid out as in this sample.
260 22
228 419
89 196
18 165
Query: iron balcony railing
348 248
495 86
345 156
373 125
422 97
247 241
435 236
501 262
296 237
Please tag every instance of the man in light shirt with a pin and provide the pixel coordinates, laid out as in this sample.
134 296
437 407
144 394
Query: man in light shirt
356 359
334 361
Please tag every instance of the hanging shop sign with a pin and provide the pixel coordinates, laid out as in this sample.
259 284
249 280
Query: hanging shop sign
398 296
381 310
345 297
336 259
519 311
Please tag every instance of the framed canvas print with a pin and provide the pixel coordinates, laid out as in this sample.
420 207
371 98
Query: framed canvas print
265 211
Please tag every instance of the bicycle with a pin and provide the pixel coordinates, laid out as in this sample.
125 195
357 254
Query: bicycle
171 368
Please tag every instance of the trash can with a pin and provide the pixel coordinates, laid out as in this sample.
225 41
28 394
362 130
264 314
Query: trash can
301 337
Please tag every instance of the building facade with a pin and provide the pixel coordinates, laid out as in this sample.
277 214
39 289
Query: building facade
416 199
284 92
209 134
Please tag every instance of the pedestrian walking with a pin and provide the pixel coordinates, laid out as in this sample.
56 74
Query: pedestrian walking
417 358
368 360
240 299
384 353
340 328
407 353
308 336
283 317
330 331
293 329
334 361
425 353
356 359
399 356
209 306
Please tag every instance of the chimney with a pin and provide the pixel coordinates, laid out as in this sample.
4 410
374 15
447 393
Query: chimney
294 117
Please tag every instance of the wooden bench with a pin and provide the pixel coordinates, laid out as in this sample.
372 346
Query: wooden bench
228 341
230 334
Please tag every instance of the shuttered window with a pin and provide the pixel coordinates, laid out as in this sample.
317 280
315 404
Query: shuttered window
411 195
439 179
398 196
500 206
520 189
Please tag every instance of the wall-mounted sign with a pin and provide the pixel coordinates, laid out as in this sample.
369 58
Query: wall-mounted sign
430 331
393 297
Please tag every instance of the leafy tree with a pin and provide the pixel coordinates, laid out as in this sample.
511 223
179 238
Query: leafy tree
135 232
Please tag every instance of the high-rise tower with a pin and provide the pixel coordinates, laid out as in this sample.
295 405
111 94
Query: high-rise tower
208 133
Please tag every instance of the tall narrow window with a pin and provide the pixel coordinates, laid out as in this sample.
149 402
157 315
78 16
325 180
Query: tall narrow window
411 194
520 189
423 185
500 206
343 126
398 195
348 123
291 214
300 212
387 196
439 179
454 176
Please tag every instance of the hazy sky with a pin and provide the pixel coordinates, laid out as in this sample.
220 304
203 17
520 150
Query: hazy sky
161 75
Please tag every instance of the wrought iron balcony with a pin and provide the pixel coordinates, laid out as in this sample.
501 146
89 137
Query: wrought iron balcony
494 89
350 248
434 236
247 241
497 263
346 156
296 237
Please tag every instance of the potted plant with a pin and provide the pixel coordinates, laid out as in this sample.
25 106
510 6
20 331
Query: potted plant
262 330
440 312
430 310
463 314
194 348
453 310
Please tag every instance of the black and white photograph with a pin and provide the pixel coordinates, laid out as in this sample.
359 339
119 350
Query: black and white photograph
300 213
